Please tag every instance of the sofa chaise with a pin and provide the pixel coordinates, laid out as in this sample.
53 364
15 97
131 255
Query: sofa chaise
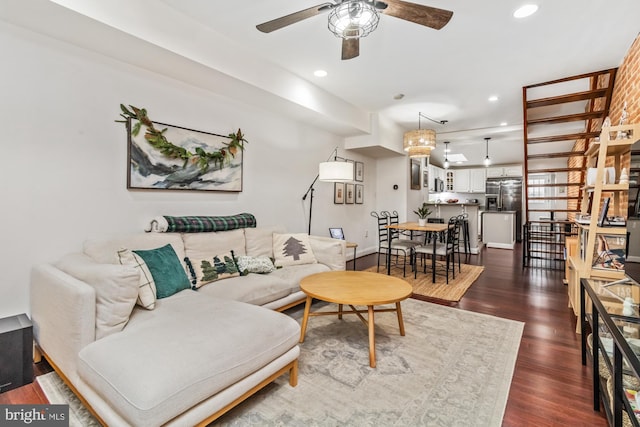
148 359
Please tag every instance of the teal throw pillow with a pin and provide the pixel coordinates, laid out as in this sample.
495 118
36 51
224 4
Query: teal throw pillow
166 270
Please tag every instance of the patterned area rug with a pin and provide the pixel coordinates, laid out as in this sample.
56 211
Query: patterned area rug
423 285
452 368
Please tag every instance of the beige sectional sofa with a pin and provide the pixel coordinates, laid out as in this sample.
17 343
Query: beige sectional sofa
197 353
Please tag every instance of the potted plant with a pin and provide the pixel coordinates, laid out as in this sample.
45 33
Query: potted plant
423 212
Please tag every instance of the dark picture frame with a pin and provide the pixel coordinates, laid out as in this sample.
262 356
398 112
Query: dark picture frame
349 194
338 193
358 173
149 169
359 194
414 174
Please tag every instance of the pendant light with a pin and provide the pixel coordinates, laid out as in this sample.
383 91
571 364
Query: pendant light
420 142
487 160
446 158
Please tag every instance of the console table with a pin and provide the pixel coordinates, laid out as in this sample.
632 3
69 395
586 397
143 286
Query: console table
610 309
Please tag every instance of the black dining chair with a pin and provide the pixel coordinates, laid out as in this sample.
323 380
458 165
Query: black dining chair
399 247
446 251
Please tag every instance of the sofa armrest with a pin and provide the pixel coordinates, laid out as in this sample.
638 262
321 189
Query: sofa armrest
63 312
328 251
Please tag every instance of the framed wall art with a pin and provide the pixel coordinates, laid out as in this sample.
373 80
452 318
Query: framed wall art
338 193
358 174
349 194
359 194
414 171
211 163
425 178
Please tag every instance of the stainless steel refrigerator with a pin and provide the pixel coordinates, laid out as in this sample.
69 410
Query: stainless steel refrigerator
505 194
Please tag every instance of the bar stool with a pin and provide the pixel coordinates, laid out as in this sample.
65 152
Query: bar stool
464 226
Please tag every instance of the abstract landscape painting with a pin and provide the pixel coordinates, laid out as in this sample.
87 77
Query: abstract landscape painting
150 168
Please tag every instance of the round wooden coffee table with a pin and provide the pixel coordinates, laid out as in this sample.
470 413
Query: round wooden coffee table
355 288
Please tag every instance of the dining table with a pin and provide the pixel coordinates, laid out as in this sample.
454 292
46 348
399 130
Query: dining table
414 226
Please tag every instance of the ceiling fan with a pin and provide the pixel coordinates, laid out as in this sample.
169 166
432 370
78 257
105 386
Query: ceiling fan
353 19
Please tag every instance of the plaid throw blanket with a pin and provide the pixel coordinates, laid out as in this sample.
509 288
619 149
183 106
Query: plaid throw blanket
198 224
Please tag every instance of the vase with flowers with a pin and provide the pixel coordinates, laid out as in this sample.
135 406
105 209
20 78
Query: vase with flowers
423 212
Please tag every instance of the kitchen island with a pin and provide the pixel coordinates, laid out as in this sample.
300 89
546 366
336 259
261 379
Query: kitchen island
499 229
448 210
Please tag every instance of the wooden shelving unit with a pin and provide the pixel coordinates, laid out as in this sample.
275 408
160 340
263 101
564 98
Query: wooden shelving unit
605 152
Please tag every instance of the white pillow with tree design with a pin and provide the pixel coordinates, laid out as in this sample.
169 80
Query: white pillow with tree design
292 249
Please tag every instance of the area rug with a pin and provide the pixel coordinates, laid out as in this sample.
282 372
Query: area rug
452 368
422 285
58 393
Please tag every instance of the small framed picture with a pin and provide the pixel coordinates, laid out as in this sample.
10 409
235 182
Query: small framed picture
349 196
338 193
359 194
359 172
425 178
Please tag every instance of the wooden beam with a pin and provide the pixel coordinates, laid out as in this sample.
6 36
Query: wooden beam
562 99
569 118
568 184
556 155
554 170
565 137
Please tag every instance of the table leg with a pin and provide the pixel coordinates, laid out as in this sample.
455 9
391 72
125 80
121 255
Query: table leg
433 259
339 311
400 321
389 256
354 258
305 318
372 338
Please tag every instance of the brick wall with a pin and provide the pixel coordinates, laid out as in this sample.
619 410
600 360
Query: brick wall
626 89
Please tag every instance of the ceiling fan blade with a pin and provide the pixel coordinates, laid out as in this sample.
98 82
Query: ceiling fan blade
424 15
350 48
283 21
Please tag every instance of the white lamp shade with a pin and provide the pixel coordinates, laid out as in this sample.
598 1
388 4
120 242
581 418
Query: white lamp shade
335 171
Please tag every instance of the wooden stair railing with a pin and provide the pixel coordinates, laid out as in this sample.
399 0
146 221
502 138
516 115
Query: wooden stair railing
553 150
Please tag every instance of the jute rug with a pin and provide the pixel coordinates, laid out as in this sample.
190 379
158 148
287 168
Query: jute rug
452 368
422 284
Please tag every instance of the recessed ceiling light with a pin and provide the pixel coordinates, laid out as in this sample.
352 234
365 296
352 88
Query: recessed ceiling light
493 98
503 124
526 10
320 73
399 96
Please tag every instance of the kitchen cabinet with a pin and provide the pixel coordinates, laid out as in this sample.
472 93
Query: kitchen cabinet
461 180
477 180
499 171
435 173
468 181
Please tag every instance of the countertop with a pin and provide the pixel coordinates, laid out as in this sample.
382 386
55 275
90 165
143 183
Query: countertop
453 204
498 212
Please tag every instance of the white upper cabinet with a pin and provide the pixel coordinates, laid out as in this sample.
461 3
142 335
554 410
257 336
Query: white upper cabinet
477 180
461 180
500 171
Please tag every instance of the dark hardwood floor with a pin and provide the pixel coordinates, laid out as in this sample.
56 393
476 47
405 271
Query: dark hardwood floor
550 386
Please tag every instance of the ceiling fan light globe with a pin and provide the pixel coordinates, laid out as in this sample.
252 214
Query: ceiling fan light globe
353 19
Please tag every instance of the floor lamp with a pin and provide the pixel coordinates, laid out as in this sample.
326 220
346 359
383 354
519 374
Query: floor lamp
330 171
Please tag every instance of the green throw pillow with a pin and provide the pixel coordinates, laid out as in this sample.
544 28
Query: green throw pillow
166 270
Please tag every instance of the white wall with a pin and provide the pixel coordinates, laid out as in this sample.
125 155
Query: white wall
64 158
